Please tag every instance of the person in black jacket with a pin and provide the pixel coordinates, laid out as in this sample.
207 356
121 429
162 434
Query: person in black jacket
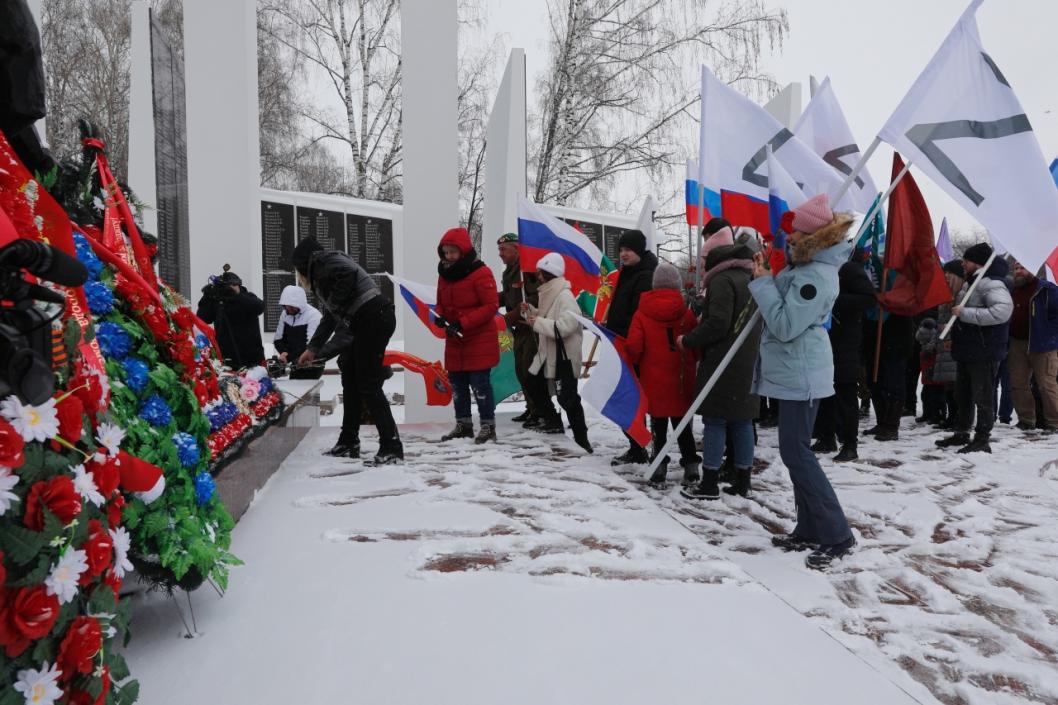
233 310
362 321
838 415
636 276
889 390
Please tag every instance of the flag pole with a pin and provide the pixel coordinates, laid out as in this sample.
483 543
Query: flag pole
855 171
588 363
878 206
969 293
881 318
730 355
696 237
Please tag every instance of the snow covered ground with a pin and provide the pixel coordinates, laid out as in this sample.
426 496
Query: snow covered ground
528 572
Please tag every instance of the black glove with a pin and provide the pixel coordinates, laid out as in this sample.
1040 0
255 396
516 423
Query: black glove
454 330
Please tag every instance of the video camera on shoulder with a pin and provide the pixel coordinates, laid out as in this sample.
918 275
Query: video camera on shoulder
220 286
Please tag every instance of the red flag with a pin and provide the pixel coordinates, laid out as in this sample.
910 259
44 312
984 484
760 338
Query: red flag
909 251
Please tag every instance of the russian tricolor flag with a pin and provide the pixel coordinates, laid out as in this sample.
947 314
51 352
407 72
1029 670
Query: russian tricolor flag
613 388
783 195
422 299
692 195
540 233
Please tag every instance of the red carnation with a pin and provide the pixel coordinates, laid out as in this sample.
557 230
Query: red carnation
58 495
70 412
100 551
11 446
114 511
80 646
28 616
106 475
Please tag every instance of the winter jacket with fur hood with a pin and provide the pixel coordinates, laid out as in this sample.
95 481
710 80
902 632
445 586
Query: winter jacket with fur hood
466 294
558 309
796 362
981 332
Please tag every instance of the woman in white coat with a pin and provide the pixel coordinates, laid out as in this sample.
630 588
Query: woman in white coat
558 354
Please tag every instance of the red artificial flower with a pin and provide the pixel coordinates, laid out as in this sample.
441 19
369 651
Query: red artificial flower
12 446
87 389
29 615
786 223
132 293
80 697
201 393
106 475
58 495
114 511
100 551
70 412
80 646
184 318
112 581
157 322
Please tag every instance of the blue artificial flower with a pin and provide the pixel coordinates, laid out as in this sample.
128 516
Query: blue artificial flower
87 256
155 411
100 298
266 385
216 417
230 411
113 340
135 373
204 487
201 340
186 449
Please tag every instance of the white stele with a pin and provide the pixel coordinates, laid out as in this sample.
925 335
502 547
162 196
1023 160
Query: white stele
85 484
40 687
62 581
962 125
33 423
823 127
8 480
734 135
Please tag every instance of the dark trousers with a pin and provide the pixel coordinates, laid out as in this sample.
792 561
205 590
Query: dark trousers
568 397
479 382
912 371
819 514
524 352
839 415
934 402
363 374
891 384
659 428
1006 399
975 388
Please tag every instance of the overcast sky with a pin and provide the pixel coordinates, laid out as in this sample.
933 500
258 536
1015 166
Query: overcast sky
873 51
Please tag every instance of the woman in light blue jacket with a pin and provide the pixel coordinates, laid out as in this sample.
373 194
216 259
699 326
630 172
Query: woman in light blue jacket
796 367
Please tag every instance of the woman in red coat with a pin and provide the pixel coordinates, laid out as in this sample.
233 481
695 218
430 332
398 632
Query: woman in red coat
467 301
666 373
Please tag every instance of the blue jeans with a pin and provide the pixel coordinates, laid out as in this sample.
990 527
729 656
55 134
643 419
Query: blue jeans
480 382
819 514
714 440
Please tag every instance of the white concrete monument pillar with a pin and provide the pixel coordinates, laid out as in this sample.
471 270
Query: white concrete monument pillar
786 105
142 173
431 193
223 150
505 160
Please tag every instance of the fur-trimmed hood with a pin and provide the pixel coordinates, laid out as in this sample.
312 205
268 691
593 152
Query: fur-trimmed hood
808 246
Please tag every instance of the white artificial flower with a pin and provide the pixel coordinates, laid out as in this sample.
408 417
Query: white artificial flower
62 582
33 423
40 687
98 203
110 437
122 543
8 480
257 373
85 484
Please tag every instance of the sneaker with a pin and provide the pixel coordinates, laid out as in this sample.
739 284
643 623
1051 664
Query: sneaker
822 557
848 453
792 543
581 439
632 456
462 430
486 434
522 417
955 439
824 445
978 445
344 450
705 489
551 425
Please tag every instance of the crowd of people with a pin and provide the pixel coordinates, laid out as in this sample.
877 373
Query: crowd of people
822 351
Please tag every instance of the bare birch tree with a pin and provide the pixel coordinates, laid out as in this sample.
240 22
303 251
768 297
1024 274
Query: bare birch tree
621 87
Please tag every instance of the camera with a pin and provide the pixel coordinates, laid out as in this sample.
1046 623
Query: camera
220 286
25 330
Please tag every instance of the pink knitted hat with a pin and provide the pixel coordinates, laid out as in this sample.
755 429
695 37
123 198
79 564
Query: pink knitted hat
721 237
812 214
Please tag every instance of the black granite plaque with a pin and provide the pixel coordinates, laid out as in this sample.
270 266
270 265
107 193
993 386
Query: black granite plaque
611 234
326 226
274 282
277 236
594 231
370 243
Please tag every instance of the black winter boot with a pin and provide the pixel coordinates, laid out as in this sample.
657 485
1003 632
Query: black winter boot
522 417
825 445
659 476
978 445
690 474
740 486
959 438
632 456
462 430
550 425
344 449
487 433
848 453
706 488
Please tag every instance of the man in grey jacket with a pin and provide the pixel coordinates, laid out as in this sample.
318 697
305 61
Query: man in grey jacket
979 343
